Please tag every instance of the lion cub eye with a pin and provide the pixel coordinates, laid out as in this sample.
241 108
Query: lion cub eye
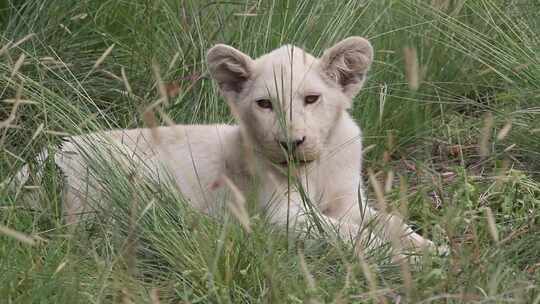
309 99
264 103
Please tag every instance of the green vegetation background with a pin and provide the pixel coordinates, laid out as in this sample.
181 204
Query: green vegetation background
463 149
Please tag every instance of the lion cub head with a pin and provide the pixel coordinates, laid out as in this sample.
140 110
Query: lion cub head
288 101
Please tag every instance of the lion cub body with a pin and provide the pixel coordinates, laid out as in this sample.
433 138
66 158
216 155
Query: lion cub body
291 109
198 156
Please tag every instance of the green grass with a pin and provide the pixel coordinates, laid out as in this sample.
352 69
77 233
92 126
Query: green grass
477 59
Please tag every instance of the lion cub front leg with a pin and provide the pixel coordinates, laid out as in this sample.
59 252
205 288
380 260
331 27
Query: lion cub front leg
343 205
294 209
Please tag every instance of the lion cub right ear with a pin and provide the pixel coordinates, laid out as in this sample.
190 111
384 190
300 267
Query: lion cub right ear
347 63
230 68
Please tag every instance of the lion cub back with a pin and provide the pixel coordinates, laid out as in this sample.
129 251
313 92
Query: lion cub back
194 155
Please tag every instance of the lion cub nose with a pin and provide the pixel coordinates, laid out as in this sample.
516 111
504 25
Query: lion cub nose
293 144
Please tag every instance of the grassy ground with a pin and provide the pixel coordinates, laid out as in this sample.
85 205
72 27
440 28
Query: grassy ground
458 151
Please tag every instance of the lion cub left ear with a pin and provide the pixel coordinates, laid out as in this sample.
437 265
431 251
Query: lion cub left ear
347 63
230 68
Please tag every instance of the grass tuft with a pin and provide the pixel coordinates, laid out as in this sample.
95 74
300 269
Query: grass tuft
451 123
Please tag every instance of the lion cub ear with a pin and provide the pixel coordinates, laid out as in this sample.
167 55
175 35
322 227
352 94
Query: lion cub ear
230 68
347 63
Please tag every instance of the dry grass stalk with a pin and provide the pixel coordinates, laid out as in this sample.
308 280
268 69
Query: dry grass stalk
58 133
112 75
17 65
368 148
310 280
65 28
150 120
395 230
388 182
458 6
441 5
412 70
501 176
395 241
245 14
369 275
37 132
403 202
22 40
382 100
50 61
60 267
126 297
492 225
166 118
155 104
504 131
379 194
79 16
250 12
103 56
339 296
237 206
20 101
130 252
5 48
125 81
162 90
485 135
172 63
246 141
154 296
14 155
19 236
509 148
13 113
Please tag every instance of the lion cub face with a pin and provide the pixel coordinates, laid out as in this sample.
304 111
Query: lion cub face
287 100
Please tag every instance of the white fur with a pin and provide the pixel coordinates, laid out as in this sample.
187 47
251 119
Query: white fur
199 155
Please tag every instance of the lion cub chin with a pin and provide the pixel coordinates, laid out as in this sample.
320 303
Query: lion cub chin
291 109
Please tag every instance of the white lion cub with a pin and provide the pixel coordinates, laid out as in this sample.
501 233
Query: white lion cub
291 110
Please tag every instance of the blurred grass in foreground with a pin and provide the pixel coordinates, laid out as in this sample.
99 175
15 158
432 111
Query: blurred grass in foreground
451 122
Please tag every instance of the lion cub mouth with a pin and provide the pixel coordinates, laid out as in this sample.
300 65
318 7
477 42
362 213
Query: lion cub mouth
296 162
